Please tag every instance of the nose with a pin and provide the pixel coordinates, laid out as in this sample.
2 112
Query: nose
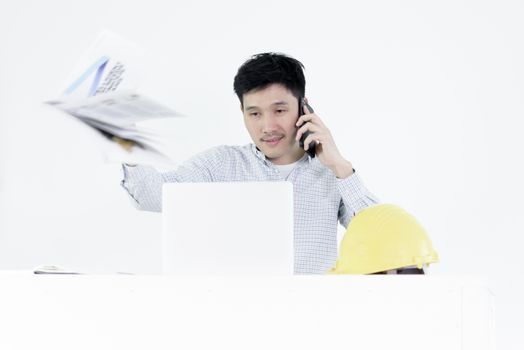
269 124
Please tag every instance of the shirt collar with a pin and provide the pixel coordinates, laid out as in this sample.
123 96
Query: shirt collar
258 153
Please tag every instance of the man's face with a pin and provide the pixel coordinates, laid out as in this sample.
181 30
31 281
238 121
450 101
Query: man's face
270 116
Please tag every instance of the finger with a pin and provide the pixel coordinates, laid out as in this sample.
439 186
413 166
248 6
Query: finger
307 127
311 138
307 109
312 117
124 143
305 118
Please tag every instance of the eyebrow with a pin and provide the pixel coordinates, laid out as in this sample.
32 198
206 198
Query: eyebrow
278 103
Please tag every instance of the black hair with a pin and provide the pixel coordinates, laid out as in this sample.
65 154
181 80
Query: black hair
268 68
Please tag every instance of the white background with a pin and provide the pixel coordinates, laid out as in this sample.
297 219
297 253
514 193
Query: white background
425 98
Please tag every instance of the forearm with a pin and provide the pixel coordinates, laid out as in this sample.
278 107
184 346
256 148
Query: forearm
355 197
342 169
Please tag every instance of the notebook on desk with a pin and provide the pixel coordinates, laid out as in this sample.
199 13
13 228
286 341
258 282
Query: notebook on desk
228 228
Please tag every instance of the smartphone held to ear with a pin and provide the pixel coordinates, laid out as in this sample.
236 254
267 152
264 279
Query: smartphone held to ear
312 145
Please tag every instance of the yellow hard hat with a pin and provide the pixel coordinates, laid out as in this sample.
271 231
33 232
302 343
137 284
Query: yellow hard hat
381 238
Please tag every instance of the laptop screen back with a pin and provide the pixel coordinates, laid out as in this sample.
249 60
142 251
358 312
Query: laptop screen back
228 228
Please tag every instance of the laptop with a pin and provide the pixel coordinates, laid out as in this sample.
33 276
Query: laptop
228 228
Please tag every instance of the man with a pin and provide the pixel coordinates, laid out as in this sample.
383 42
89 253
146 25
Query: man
326 188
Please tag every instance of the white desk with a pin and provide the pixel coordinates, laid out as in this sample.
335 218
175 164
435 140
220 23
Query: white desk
317 312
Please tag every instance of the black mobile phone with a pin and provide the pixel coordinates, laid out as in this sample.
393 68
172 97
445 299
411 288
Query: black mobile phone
312 145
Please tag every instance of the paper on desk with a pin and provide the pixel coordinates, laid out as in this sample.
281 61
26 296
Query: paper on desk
103 92
54 270
58 270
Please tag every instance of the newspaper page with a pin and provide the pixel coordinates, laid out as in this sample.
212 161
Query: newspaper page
103 92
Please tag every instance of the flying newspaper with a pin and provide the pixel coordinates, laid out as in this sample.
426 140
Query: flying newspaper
102 91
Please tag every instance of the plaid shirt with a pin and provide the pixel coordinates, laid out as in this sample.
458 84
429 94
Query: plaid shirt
320 198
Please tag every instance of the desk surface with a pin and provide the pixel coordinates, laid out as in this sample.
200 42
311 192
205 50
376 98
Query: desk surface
298 312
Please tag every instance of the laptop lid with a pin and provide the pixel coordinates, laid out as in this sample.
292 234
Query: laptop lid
228 228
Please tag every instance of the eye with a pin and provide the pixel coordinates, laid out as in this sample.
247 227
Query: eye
254 114
280 111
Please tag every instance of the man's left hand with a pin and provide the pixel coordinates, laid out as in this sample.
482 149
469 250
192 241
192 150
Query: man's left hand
326 149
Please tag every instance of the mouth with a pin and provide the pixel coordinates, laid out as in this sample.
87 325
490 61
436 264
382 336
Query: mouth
273 141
